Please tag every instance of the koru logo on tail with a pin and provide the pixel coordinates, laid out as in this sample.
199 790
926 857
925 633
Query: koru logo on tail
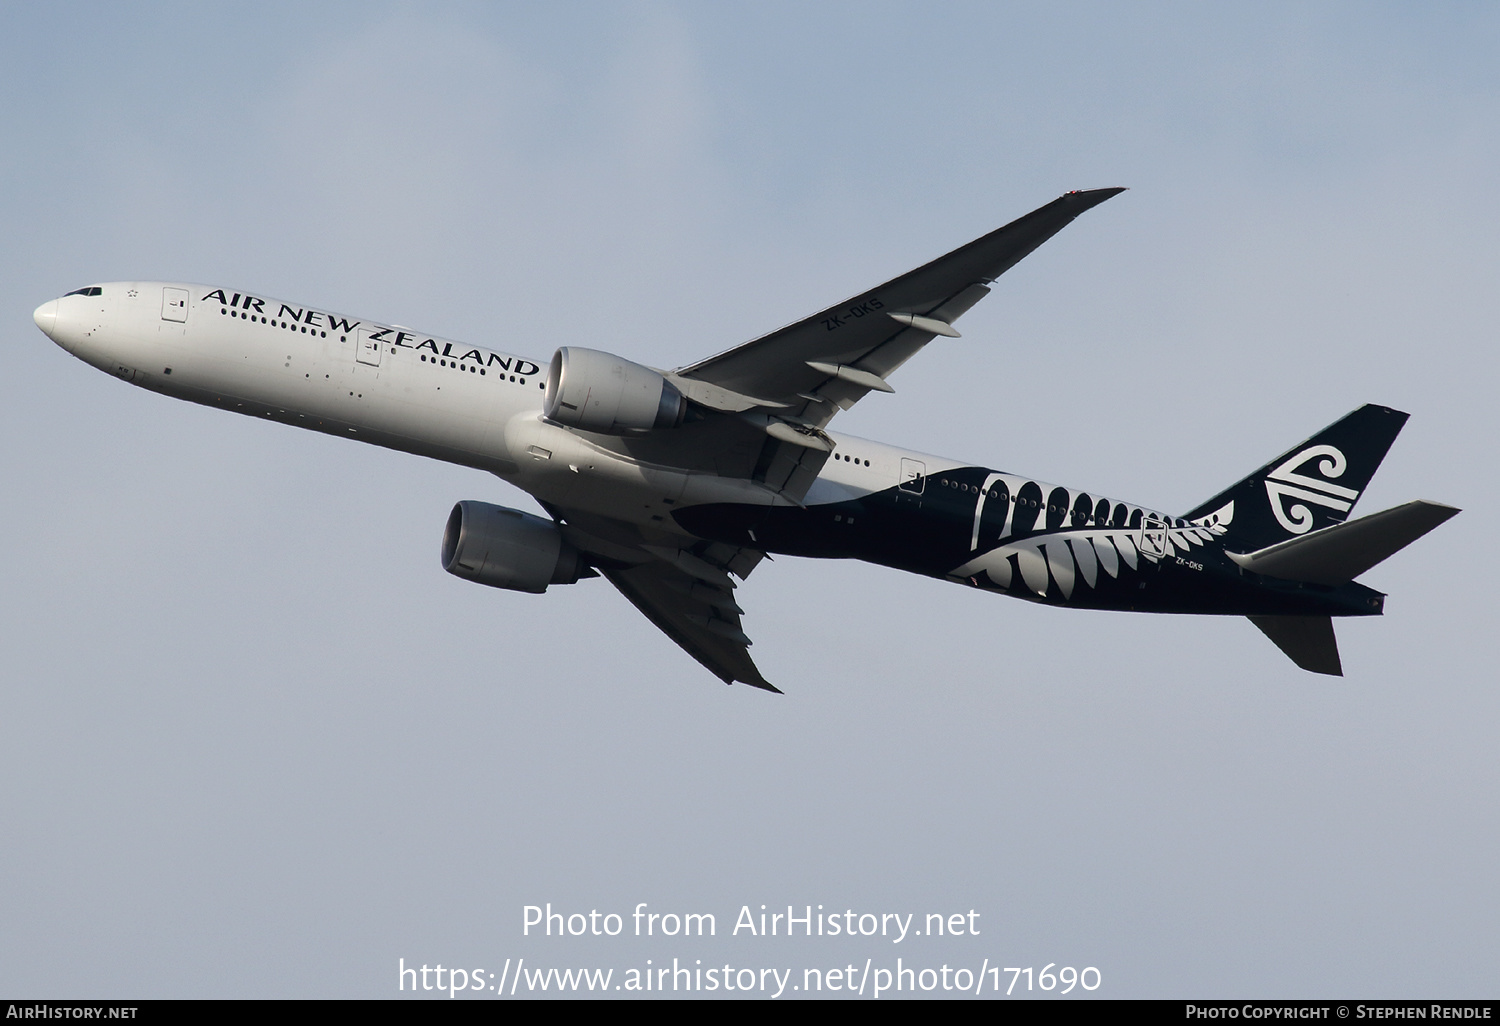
1285 482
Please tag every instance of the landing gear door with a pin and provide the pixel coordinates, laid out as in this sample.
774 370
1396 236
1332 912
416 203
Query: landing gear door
369 349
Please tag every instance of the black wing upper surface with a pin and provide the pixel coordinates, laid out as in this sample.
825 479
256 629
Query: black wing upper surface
812 368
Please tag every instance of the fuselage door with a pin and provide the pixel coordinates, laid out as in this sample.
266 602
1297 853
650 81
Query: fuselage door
369 349
913 476
1153 543
174 304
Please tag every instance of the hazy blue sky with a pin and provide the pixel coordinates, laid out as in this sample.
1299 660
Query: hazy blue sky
253 741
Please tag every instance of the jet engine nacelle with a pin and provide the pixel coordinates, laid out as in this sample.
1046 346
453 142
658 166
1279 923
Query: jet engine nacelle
601 392
505 548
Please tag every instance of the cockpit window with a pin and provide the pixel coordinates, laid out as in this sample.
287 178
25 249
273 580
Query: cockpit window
92 290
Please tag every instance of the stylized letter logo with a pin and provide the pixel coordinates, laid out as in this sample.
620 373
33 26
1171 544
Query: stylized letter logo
1284 482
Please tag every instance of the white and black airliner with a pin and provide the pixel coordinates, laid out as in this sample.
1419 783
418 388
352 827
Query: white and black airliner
672 484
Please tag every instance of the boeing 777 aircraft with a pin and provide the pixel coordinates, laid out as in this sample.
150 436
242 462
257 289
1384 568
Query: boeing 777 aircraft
671 484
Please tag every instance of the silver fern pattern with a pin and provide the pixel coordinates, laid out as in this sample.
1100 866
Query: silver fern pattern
1062 559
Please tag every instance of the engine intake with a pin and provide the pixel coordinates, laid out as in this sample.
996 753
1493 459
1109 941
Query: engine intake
505 548
601 392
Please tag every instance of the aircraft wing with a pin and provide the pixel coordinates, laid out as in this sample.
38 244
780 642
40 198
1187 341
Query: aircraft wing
701 617
806 372
687 592
789 384
786 386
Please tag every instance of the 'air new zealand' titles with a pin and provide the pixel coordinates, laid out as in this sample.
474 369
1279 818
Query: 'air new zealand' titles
672 484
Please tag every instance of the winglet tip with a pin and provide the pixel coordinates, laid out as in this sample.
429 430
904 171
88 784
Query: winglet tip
1084 199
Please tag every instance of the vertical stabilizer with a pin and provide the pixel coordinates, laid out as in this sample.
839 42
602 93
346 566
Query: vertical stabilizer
1308 640
1310 486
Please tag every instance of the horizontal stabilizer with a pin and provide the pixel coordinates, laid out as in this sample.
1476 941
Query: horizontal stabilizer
1308 640
1338 554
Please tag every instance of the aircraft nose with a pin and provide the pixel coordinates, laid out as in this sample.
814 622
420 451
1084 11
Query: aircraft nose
46 318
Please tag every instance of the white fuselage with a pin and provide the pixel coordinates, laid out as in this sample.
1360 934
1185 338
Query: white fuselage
403 389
